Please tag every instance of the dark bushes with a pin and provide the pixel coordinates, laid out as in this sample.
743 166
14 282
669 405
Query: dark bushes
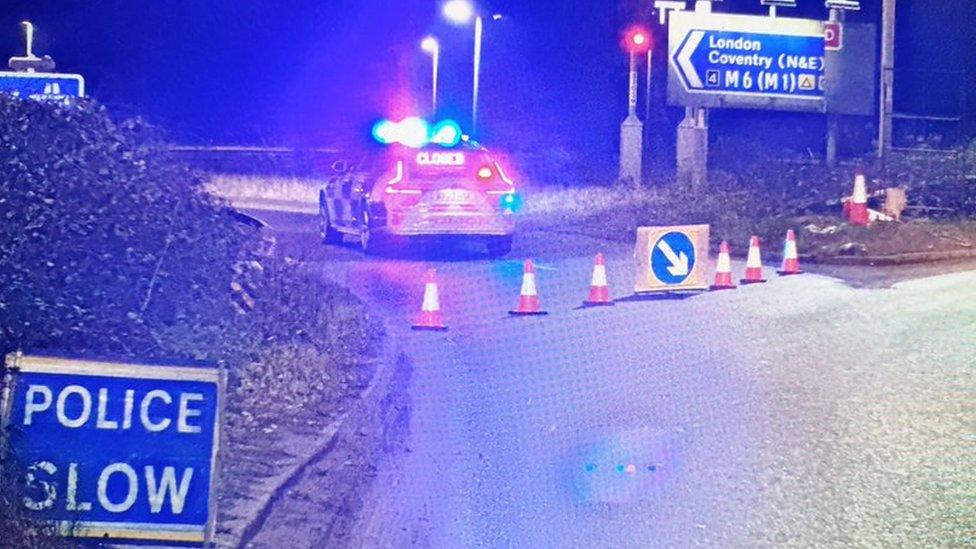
107 246
111 248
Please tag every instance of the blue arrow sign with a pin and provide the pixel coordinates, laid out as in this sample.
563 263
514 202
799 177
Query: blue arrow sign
673 258
750 63
42 86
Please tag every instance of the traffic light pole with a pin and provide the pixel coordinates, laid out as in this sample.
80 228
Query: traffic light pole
632 132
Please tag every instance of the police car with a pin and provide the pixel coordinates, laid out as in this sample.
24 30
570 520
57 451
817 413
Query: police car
428 191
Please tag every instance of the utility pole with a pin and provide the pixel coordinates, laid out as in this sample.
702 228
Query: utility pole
887 78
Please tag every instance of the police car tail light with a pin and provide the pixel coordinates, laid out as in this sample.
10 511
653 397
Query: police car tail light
485 173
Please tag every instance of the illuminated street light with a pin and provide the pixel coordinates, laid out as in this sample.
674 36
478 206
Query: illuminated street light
458 12
429 45
433 47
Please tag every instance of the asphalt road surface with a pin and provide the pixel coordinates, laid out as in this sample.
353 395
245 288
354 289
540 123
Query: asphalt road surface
803 412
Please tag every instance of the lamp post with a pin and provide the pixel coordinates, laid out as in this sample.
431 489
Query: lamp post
461 12
433 47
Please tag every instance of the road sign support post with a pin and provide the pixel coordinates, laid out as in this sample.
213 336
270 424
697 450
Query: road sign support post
692 153
30 62
887 78
833 121
632 133
832 129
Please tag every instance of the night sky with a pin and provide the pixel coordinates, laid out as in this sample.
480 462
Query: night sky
316 72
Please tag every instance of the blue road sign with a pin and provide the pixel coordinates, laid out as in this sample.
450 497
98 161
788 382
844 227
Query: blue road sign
673 258
751 63
111 450
43 86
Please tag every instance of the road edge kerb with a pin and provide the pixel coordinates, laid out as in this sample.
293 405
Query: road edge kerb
269 205
907 258
382 377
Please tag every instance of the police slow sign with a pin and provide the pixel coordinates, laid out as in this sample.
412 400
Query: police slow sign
118 451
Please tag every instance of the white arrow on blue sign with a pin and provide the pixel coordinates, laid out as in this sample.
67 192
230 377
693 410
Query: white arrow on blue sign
42 85
673 258
751 63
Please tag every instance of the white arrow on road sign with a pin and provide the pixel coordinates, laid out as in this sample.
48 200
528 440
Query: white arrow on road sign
684 58
679 262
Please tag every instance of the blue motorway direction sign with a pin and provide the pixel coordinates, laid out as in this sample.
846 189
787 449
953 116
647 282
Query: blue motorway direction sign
121 451
673 258
38 85
718 60
752 63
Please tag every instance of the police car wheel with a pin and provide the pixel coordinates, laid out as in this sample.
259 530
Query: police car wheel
367 240
499 246
326 230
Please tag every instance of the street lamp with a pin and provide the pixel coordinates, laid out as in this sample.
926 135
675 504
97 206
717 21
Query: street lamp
458 12
461 12
431 46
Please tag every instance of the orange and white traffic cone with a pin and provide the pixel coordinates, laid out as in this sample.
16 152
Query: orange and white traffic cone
430 311
791 260
528 304
723 269
754 270
857 211
599 289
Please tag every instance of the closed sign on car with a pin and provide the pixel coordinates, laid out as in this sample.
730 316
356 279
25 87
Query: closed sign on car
426 158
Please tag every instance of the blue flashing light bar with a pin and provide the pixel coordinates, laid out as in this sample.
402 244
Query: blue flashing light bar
416 133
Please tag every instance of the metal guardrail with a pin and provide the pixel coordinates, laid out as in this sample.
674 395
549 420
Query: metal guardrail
930 109
263 160
233 149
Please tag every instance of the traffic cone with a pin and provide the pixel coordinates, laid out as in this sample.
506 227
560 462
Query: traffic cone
723 269
599 290
754 270
528 304
857 211
430 311
791 260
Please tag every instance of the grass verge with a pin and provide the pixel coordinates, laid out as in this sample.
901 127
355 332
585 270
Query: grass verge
735 215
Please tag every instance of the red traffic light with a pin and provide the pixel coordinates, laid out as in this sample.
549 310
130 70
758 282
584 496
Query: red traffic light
637 39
